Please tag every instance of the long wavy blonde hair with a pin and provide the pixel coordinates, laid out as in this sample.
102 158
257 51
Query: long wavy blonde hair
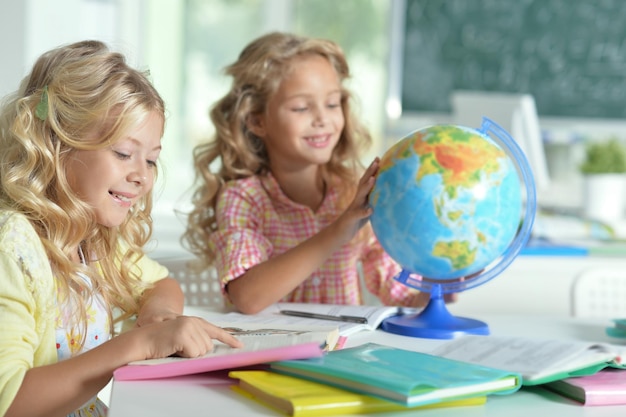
257 74
88 88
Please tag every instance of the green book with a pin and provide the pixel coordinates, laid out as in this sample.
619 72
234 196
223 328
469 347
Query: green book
402 376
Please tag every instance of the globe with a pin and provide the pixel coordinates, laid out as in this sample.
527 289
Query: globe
453 206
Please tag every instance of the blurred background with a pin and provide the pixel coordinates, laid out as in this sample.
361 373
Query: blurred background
185 45
408 59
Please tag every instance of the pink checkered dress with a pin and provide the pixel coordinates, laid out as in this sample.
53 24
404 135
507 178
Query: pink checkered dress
257 221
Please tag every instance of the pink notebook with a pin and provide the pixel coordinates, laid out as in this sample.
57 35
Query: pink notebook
606 387
222 357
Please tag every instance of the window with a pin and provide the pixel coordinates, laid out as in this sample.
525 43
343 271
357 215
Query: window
203 36
186 44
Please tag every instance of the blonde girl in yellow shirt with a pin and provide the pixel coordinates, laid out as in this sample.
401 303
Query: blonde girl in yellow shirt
80 141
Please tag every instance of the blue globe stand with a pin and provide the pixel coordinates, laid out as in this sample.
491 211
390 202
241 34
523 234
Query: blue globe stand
434 322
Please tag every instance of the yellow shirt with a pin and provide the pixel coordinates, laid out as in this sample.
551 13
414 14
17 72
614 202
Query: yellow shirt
28 305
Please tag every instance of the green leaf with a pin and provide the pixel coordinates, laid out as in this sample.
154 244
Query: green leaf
606 157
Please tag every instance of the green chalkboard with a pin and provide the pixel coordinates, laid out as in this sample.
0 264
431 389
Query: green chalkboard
569 54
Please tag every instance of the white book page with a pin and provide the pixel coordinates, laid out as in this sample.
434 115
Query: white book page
272 316
277 319
532 358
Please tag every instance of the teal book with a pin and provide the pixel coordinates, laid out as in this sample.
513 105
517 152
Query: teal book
401 376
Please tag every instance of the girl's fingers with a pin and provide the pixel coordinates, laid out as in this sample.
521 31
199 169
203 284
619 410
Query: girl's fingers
197 346
371 171
198 337
366 187
224 337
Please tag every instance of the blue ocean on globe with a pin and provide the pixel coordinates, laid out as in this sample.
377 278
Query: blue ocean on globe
447 202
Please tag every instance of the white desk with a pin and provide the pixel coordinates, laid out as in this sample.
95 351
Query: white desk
209 394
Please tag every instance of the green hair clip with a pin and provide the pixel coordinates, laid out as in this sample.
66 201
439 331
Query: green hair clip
41 111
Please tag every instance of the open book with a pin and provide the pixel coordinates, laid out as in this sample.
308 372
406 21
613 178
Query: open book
370 316
537 360
261 344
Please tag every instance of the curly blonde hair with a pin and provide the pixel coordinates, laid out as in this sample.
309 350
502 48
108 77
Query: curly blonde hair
257 74
87 88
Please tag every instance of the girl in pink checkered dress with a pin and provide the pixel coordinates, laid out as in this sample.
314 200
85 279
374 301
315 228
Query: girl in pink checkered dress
281 205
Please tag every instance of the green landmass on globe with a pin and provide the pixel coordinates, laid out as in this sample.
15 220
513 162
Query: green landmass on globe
447 202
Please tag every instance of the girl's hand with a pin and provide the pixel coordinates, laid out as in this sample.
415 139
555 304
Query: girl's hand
154 316
164 301
357 213
185 336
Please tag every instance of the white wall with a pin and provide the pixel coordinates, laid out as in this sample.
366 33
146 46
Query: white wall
31 27
13 46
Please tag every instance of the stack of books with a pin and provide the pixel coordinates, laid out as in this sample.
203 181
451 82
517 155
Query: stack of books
300 397
372 378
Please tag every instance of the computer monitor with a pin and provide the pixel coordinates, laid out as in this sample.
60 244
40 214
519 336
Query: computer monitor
516 113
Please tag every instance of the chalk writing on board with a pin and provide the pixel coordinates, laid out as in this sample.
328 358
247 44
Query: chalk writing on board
569 54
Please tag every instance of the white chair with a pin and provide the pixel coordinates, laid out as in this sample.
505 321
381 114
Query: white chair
201 287
599 293
368 298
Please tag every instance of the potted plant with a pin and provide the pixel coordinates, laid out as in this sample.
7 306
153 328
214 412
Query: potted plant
604 181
